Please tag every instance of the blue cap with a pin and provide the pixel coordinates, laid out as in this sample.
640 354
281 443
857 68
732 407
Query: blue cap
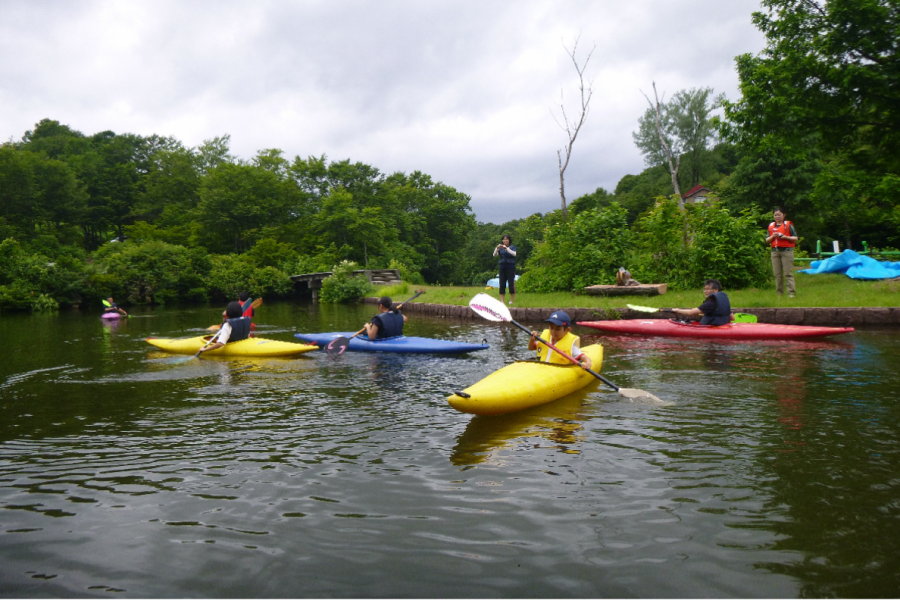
560 318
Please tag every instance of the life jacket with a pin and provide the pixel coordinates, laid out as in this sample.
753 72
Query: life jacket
247 308
785 229
240 329
566 344
722 314
507 259
390 324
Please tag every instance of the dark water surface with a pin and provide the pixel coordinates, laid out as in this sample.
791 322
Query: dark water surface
775 473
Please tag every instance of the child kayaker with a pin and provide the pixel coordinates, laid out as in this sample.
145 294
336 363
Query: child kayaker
234 329
560 335
113 307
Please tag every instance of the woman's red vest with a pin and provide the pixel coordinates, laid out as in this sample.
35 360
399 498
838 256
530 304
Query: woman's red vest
785 229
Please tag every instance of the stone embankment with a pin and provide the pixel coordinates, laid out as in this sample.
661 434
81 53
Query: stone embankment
832 317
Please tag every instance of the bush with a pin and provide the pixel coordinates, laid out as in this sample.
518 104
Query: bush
406 274
231 274
480 279
586 250
154 272
35 282
704 241
343 286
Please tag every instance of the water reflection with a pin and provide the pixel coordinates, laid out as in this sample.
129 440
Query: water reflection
561 423
773 474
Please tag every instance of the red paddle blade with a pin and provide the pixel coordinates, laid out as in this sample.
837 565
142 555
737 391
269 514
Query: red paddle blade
337 346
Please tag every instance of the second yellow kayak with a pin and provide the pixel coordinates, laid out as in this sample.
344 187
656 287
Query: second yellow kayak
250 347
524 384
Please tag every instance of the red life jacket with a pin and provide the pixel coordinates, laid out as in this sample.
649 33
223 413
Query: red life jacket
247 307
785 229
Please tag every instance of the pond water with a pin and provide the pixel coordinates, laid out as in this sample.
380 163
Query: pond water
775 472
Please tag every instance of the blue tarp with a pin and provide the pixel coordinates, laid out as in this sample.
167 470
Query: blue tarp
855 266
495 282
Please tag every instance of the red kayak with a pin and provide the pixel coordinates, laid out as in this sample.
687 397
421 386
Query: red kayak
746 331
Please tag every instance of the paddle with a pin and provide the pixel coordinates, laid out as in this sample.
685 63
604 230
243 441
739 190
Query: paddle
738 317
339 344
255 304
493 310
183 359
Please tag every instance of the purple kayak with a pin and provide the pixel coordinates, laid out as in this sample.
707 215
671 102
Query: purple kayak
111 315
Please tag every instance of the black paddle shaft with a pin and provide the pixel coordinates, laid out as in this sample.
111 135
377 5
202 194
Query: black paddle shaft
591 371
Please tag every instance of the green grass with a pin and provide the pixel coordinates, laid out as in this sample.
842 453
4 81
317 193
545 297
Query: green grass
812 291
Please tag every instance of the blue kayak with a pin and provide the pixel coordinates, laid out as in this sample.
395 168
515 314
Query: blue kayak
401 343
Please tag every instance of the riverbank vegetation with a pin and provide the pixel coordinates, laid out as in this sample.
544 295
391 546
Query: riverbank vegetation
814 291
148 220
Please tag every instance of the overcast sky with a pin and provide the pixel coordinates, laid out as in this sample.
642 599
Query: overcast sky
462 90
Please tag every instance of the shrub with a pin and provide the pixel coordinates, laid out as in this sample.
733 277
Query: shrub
406 274
231 274
586 250
343 286
704 241
155 272
35 282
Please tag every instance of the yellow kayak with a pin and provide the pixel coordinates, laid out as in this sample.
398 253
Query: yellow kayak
524 384
250 347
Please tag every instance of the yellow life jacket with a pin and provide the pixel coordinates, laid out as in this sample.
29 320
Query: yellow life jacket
566 344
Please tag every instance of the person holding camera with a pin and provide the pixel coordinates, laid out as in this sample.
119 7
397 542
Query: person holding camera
783 239
507 253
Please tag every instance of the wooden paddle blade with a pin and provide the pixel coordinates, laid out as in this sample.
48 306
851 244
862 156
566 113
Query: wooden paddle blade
338 345
256 303
214 328
641 397
490 308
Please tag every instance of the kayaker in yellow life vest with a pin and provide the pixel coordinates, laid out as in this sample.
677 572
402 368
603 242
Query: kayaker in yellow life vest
560 335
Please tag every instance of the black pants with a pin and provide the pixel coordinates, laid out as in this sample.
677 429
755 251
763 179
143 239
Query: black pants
508 275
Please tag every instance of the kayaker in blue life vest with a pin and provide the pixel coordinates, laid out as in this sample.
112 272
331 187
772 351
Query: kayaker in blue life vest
234 329
113 307
716 309
388 322
560 335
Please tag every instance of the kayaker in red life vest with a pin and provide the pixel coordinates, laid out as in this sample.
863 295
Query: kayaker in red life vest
716 309
561 336
388 322
234 329
783 239
113 307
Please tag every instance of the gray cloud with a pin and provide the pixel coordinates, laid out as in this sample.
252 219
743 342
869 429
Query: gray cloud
464 91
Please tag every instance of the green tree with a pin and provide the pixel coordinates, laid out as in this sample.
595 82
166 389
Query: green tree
683 127
828 74
236 201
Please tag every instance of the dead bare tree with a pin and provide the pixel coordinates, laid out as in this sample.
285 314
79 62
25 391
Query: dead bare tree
572 128
673 166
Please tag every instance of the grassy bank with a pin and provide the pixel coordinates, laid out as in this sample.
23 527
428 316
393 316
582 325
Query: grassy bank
812 291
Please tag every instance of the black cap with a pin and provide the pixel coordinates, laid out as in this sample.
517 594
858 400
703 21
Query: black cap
560 318
385 301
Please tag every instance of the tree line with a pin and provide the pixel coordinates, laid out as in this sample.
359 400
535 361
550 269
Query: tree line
816 131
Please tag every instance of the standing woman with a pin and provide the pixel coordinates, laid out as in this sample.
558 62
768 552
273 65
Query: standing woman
507 254
783 238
